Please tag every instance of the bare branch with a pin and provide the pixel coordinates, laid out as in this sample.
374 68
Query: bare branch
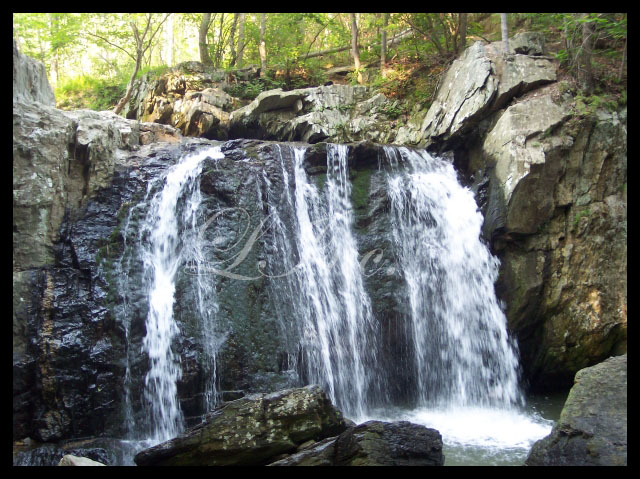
112 44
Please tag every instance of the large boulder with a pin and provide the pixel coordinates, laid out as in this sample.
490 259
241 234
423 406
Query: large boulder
30 82
515 148
377 443
479 83
592 429
373 443
251 430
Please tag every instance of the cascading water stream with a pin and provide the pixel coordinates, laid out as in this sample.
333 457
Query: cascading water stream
336 331
162 259
166 240
462 361
465 365
462 353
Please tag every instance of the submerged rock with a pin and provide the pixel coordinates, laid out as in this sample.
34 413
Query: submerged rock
592 429
251 430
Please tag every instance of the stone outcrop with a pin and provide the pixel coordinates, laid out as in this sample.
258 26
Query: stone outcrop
30 81
189 97
251 430
592 429
478 83
61 160
338 113
555 213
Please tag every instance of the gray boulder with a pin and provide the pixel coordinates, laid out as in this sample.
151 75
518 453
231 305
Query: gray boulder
528 43
592 429
335 113
30 82
70 460
251 430
377 443
479 83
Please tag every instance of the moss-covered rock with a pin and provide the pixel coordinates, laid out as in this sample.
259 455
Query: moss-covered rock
251 430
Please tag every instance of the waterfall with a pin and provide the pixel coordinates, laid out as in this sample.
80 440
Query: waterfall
167 239
461 349
455 346
336 330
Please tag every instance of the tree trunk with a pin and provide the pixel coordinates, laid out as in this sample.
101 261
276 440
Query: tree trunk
586 69
202 39
624 57
383 44
505 33
463 32
232 44
169 42
354 46
263 46
127 96
241 40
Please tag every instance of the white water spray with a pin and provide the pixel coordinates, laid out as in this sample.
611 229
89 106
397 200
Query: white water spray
162 256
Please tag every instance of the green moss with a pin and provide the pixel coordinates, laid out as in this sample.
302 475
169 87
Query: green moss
360 189
320 180
579 216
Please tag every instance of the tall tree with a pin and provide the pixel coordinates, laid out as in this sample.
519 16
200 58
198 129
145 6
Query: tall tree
232 45
205 58
143 34
354 46
169 41
585 68
383 44
505 33
462 30
241 40
263 46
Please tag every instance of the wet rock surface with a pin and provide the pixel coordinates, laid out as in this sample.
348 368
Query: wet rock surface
251 430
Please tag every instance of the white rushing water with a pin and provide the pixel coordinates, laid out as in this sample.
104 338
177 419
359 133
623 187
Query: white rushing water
466 366
338 312
336 331
162 254
463 356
